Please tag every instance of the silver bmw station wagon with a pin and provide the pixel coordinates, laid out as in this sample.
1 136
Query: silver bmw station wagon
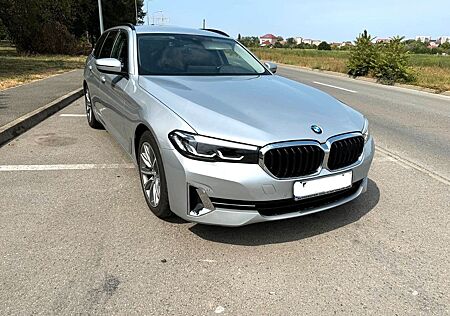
217 137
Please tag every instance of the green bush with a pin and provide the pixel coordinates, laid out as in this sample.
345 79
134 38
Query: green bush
249 41
362 56
324 46
391 64
278 45
387 62
417 47
290 43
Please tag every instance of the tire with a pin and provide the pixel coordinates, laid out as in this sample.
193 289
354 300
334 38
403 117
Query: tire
90 115
152 175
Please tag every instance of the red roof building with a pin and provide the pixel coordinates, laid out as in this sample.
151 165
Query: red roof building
268 36
267 40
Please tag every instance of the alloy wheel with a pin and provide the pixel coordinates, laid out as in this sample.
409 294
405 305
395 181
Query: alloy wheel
151 181
88 105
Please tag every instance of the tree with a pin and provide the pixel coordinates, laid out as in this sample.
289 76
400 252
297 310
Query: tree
417 47
59 26
362 55
278 45
115 13
250 41
3 32
304 46
391 64
445 46
290 42
324 46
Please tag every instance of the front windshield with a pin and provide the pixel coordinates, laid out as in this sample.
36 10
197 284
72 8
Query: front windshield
191 55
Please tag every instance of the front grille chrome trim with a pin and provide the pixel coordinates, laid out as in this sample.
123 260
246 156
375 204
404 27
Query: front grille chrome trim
324 146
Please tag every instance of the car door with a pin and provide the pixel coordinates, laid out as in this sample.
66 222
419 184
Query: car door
92 75
121 103
105 100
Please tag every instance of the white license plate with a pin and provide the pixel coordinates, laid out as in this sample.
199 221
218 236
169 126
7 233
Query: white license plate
310 188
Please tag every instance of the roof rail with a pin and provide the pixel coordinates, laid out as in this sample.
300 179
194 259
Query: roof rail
217 31
131 26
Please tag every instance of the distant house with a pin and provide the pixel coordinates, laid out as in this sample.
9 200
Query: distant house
423 39
443 39
433 44
348 43
383 40
301 40
267 40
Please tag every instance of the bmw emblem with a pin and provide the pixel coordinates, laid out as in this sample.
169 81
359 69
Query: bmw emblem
316 129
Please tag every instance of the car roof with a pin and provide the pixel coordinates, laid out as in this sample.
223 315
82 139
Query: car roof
148 29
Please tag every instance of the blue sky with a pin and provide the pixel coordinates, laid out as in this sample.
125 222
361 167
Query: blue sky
330 20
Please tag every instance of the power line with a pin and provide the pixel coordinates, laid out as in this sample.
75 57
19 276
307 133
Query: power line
159 20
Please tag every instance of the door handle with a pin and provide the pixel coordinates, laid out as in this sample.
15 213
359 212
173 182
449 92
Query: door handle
103 79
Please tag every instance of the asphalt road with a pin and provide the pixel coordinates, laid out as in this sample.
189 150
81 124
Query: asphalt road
76 237
411 124
23 99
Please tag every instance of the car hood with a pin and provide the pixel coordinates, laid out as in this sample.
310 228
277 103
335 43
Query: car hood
254 110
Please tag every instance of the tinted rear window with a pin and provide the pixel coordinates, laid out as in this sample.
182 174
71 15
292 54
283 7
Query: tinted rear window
108 45
120 50
98 45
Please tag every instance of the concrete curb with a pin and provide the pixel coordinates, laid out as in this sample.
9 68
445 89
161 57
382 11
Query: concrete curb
29 120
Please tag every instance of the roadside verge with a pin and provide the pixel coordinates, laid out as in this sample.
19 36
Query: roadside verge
27 121
366 79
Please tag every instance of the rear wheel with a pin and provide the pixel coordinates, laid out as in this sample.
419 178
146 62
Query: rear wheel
92 121
153 179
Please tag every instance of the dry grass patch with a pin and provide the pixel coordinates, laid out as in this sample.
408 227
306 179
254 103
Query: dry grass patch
322 60
17 69
432 77
430 71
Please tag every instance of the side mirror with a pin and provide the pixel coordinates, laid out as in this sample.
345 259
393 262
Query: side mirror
109 65
272 67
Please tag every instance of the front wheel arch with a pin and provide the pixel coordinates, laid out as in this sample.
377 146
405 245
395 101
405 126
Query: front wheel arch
92 120
139 131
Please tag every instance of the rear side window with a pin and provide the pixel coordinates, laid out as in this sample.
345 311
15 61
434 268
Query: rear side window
108 45
98 45
120 50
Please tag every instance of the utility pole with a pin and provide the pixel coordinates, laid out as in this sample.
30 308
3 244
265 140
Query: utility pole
159 20
147 14
204 24
135 5
148 17
100 15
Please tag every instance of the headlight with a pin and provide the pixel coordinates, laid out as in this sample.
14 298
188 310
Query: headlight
212 149
365 131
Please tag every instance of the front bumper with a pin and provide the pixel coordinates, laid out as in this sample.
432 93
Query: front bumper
244 184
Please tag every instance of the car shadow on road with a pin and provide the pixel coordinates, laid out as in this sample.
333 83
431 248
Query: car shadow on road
293 229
